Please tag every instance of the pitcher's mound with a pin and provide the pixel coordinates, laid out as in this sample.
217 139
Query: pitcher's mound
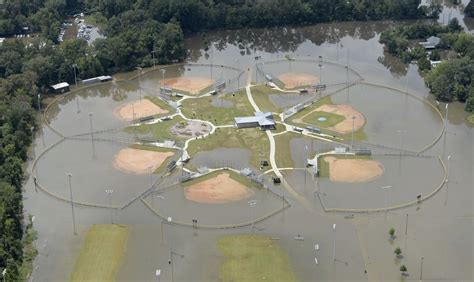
347 111
192 85
294 79
141 108
218 190
353 170
139 161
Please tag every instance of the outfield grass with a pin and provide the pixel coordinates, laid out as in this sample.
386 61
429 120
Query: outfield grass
253 258
235 176
252 139
160 131
202 108
323 166
331 119
101 253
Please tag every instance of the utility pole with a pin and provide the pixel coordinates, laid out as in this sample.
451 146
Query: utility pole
385 188
334 245
109 193
69 175
139 82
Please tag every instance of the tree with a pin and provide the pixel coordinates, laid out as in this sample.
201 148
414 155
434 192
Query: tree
454 26
403 269
398 251
469 10
391 232
424 64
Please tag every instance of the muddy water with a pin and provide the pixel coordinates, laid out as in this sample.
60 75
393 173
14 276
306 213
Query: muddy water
445 221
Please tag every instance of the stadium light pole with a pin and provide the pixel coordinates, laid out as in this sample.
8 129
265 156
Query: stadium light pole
74 66
386 188
139 81
320 70
401 140
69 175
353 127
334 243
153 56
252 205
90 120
109 193
39 103
421 269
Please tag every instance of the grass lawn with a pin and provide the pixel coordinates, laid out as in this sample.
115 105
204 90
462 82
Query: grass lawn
252 139
283 151
160 131
157 149
237 177
101 253
260 95
471 119
331 119
323 166
162 104
253 258
203 108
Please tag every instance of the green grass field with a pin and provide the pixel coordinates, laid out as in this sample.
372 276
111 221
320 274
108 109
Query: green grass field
283 155
101 253
471 119
160 131
253 258
323 166
331 119
202 108
252 139
261 94
237 177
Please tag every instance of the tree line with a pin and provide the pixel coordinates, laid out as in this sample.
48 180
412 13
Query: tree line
453 78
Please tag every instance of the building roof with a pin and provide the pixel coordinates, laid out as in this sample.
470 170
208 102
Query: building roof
431 42
262 118
60 85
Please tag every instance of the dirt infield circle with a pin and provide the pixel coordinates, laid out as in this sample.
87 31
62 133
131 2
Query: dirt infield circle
294 79
191 85
220 189
141 108
353 170
139 161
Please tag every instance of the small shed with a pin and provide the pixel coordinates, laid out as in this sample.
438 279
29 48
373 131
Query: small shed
60 88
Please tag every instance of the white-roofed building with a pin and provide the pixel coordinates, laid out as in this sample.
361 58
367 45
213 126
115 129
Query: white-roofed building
60 88
264 120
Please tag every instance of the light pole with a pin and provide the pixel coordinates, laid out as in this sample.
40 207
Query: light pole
109 193
421 270
39 103
252 205
90 120
153 56
385 188
347 81
170 220
401 140
238 74
334 243
320 71
305 158
353 127
139 81
74 66
69 175
158 274
163 75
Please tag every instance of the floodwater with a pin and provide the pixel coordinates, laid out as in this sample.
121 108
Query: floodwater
440 229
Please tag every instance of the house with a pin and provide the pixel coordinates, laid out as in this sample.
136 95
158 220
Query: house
260 119
1 40
425 3
431 43
60 88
